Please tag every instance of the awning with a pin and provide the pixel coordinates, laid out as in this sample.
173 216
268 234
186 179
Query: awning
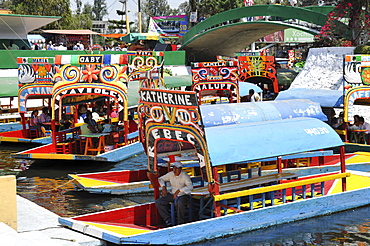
71 32
249 112
18 26
326 98
134 37
113 35
35 38
254 141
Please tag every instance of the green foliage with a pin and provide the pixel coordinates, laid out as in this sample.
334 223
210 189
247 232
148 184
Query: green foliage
151 8
99 9
356 14
45 8
362 49
212 7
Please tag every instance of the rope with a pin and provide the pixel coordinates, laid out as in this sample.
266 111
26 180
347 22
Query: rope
36 192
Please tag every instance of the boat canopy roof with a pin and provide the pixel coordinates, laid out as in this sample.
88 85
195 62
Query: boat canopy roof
326 98
258 140
250 112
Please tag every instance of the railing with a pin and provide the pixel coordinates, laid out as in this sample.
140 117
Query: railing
270 190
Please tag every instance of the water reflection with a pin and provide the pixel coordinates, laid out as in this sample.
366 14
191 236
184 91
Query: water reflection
46 184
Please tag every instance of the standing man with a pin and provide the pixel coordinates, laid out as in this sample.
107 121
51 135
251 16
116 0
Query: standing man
253 96
181 188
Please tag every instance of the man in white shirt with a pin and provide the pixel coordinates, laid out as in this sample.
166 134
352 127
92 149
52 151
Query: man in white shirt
181 188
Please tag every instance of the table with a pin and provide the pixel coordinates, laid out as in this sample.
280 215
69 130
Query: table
90 144
356 135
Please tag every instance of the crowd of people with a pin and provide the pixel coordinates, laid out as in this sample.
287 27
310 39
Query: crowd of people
359 123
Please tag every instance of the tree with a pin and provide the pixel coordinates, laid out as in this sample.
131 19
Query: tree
99 10
83 18
45 8
151 8
212 7
356 14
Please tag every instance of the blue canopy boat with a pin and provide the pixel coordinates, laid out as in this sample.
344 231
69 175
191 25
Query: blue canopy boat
172 124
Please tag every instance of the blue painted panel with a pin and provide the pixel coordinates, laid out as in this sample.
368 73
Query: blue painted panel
299 108
326 98
251 141
239 113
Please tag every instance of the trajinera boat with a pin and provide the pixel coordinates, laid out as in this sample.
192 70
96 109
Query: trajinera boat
214 83
74 82
173 124
218 83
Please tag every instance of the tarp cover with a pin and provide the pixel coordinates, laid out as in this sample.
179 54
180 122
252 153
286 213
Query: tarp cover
252 141
326 98
239 113
18 26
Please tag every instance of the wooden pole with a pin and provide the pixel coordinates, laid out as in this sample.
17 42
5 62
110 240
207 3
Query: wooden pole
343 167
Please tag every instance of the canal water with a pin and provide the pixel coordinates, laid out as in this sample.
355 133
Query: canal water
46 183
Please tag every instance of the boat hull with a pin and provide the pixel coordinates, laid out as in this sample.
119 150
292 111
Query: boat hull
114 225
235 223
44 153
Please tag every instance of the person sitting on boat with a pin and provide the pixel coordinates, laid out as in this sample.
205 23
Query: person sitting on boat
107 127
95 114
45 117
65 122
181 187
364 126
82 110
35 121
92 125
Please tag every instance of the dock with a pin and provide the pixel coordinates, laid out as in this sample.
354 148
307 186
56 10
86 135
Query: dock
38 226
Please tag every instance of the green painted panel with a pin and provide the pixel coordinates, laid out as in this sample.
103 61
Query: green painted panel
9 86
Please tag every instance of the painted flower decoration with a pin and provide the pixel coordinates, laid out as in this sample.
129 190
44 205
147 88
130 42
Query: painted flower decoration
365 76
90 73
42 72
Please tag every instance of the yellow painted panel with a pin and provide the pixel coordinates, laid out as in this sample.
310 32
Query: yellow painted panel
354 182
8 201
360 157
87 182
53 156
126 231
10 139
279 186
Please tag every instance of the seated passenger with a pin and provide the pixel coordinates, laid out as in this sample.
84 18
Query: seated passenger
92 125
107 127
65 122
35 122
181 188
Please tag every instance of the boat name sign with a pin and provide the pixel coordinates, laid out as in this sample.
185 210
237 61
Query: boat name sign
89 59
167 98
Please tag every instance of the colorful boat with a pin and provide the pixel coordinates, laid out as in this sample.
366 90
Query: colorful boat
176 127
35 77
95 80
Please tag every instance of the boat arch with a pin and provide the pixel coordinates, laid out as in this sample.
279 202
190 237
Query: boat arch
86 92
162 137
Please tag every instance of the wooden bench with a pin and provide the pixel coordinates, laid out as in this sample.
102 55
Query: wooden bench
67 141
